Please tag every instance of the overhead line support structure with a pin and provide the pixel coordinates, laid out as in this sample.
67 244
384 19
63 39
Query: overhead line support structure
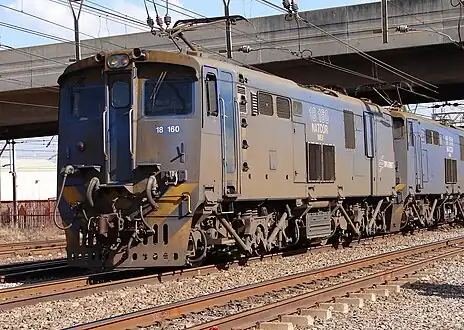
76 25
228 28
384 21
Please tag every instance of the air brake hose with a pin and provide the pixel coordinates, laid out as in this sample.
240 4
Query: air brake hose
151 186
68 170
93 185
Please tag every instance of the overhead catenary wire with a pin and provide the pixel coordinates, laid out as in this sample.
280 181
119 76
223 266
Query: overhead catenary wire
330 65
247 36
460 4
259 39
118 18
398 72
53 23
320 62
392 2
45 35
22 51
29 85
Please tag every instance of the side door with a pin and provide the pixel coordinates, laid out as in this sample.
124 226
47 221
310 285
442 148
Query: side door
211 142
119 128
228 111
369 133
299 154
415 152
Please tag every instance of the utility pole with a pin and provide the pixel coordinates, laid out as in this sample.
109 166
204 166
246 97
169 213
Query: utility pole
76 26
384 11
13 174
228 29
1 166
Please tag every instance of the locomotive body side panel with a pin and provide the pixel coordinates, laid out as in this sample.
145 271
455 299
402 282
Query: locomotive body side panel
266 147
429 148
383 157
264 140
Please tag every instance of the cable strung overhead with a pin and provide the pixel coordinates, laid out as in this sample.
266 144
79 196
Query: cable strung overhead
294 13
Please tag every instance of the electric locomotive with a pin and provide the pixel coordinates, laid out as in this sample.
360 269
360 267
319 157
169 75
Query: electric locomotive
167 159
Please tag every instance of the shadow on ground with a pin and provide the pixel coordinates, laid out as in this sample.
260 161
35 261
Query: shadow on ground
442 290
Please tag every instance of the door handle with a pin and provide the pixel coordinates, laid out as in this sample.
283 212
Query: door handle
104 134
131 120
223 106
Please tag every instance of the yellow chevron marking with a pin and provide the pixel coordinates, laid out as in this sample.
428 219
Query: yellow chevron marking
71 194
170 201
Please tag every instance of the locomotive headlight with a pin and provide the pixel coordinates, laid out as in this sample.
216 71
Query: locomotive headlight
118 61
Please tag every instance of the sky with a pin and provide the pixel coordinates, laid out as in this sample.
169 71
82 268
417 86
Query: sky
18 12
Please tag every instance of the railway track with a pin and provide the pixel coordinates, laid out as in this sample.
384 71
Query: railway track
300 290
31 247
87 284
25 270
111 280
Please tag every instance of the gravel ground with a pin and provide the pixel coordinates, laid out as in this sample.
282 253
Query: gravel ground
65 313
24 258
434 302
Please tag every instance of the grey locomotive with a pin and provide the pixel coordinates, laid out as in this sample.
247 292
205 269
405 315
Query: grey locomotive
169 159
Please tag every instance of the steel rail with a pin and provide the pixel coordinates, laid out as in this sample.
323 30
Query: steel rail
271 312
11 271
92 283
149 316
85 285
25 245
82 285
31 247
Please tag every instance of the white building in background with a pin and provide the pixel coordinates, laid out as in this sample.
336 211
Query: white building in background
35 179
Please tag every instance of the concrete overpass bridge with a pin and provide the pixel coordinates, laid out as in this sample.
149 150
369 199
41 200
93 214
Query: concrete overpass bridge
29 94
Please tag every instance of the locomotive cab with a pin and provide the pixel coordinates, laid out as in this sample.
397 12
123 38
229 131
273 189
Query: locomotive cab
129 125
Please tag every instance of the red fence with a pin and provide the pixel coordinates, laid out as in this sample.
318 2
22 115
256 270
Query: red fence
31 214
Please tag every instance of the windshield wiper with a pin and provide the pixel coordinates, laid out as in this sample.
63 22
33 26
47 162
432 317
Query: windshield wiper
157 87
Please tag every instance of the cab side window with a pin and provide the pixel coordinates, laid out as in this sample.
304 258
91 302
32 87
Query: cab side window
211 94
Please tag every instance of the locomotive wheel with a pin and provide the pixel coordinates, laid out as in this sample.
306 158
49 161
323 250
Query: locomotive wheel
198 247
261 242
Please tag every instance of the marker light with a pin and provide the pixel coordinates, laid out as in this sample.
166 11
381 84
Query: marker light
118 61
81 146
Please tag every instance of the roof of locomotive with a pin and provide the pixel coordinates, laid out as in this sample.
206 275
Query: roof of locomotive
269 78
406 115
197 59
157 56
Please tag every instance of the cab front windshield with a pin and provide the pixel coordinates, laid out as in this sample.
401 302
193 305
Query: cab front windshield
166 91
